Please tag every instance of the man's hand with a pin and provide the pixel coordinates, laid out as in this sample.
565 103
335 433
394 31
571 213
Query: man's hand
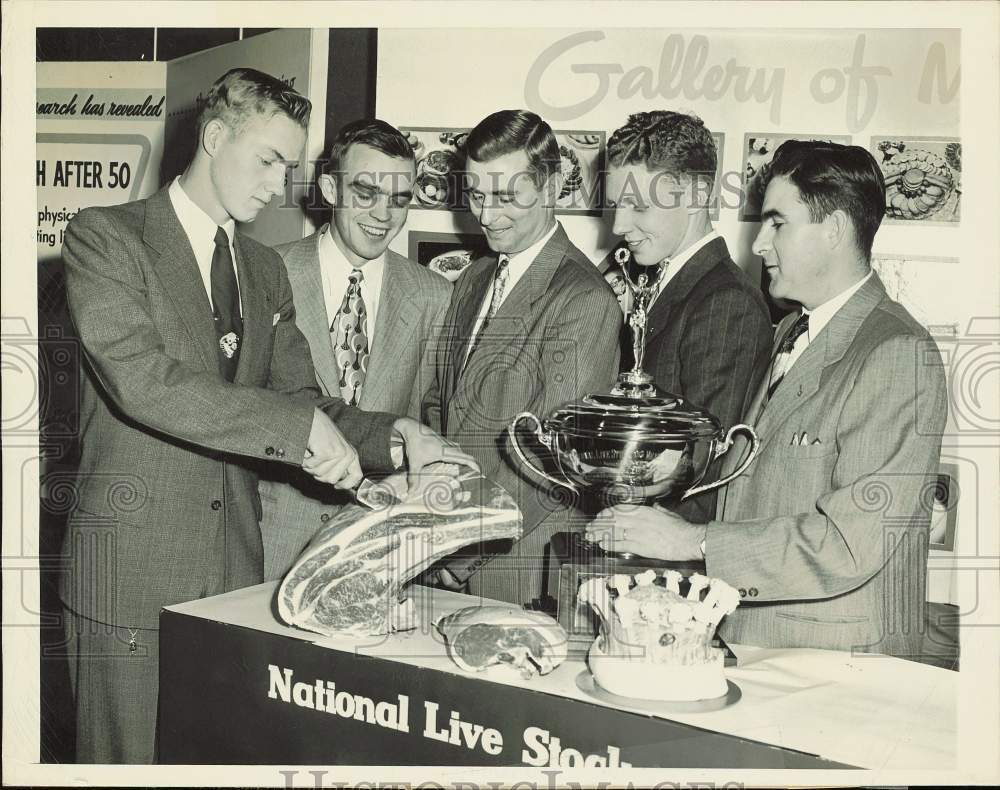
446 579
647 531
331 458
424 446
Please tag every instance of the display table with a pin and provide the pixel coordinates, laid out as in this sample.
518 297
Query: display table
237 686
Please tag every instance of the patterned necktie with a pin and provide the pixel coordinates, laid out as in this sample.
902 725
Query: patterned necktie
783 360
349 335
226 306
499 285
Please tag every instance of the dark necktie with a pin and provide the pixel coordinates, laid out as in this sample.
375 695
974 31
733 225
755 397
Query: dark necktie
499 286
782 361
226 306
349 335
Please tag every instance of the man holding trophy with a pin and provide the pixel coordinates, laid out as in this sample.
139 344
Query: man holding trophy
702 331
825 531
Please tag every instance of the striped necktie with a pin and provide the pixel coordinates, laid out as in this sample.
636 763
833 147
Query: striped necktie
349 336
782 362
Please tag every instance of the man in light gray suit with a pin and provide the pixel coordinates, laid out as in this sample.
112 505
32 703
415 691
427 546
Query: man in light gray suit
368 314
825 535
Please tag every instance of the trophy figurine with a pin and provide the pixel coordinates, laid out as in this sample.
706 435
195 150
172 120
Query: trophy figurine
636 383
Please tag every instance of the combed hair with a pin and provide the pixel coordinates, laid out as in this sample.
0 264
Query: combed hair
831 176
667 141
507 131
239 94
371 132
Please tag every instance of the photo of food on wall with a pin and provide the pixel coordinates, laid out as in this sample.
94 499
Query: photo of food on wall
923 177
447 254
758 150
440 155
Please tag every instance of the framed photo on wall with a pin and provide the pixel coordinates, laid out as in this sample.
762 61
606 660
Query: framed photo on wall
923 178
448 254
758 151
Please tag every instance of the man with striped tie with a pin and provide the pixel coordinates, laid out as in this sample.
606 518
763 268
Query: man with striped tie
369 315
530 327
825 534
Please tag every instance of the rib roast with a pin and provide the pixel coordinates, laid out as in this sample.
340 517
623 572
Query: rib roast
350 577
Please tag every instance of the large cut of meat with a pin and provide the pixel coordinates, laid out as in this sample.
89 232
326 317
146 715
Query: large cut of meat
349 578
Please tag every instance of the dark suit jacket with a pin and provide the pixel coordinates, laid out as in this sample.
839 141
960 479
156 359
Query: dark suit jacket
554 340
827 540
708 339
166 503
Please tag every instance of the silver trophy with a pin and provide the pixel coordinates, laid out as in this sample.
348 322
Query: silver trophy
636 443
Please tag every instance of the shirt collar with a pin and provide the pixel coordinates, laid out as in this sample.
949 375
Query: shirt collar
820 316
198 226
523 259
680 259
330 252
675 264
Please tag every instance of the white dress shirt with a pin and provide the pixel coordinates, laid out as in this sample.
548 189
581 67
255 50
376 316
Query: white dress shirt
200 230
819 317
675 264
517 265
336 270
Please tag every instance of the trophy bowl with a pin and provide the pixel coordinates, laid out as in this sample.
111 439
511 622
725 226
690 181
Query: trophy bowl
631 449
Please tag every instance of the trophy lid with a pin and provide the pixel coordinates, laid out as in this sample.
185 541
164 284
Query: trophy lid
657 416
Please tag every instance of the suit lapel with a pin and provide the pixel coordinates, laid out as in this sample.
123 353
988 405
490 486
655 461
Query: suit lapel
517 307
680 287
804 378
480 279
304 275
395 326
178 270
257 314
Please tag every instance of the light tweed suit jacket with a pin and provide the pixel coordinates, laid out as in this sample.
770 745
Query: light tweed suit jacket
413 301
827 540
166 507
554 339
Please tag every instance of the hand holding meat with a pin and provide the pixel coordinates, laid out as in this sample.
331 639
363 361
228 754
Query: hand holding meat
424 446
331 458
350 577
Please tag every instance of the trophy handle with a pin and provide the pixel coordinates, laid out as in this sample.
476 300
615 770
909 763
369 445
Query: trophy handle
726 444
543 438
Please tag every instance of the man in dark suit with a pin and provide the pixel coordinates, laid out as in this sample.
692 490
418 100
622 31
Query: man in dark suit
195 373
825 534
708 333
367 180
528 329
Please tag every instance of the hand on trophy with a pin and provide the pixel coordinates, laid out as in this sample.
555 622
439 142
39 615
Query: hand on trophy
652 532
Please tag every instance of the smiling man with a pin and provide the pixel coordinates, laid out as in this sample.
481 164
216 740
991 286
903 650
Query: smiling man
530 327
825 534
370 315
708 333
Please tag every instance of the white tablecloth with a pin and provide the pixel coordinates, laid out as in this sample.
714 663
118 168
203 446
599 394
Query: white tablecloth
869 711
